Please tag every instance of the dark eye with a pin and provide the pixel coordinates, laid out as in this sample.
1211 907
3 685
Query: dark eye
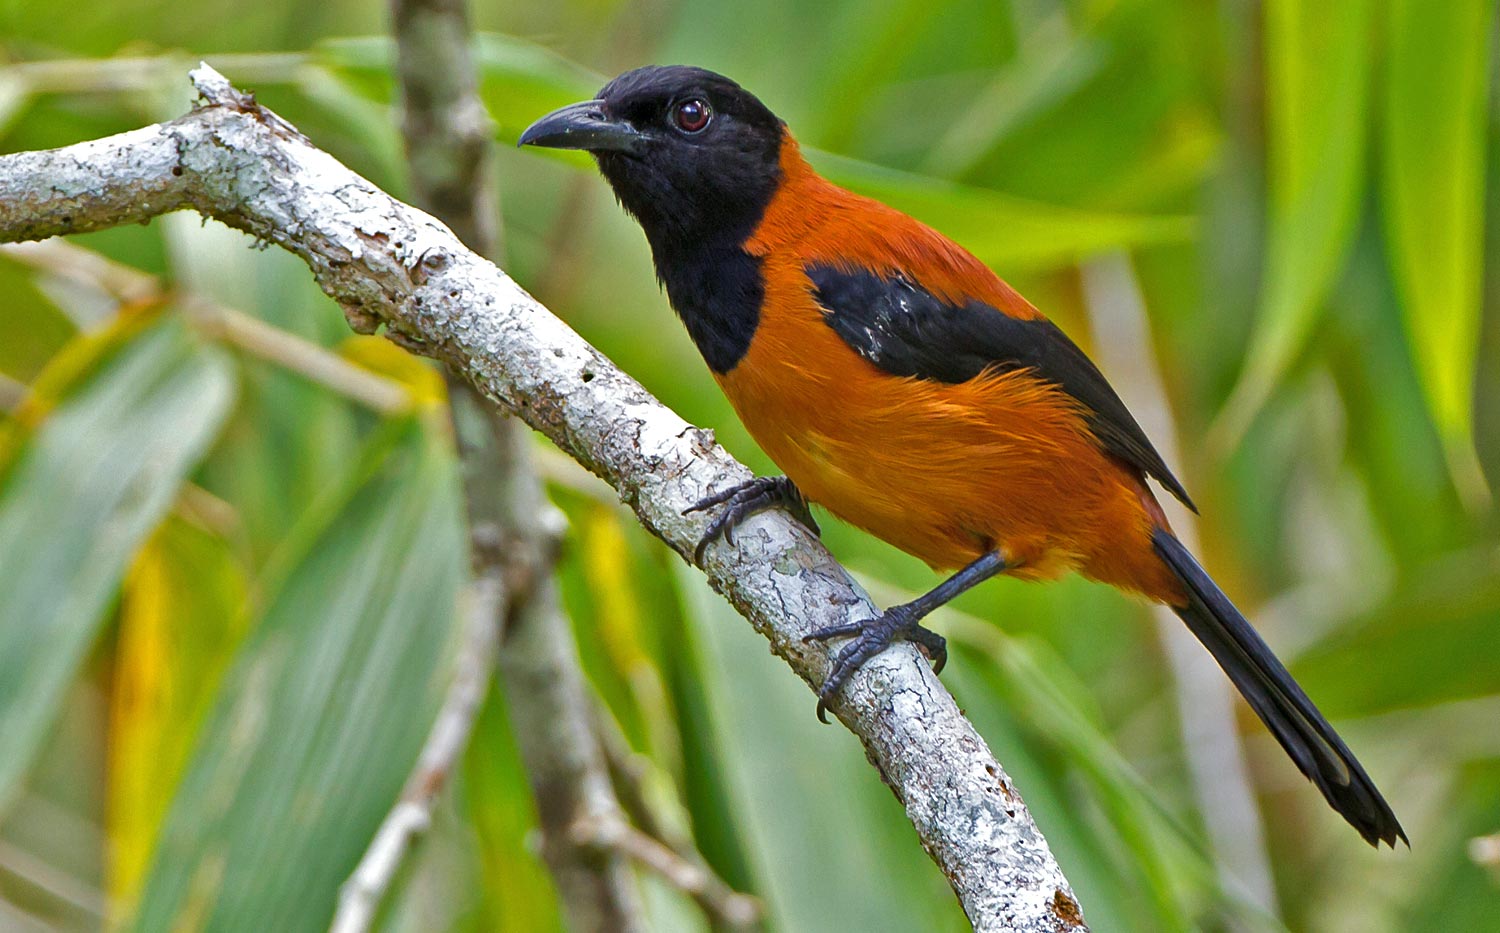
691 116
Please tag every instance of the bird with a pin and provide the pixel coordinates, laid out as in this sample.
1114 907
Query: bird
907 389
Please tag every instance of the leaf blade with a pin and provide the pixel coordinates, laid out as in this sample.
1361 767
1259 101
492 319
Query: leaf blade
1433 187
325 707
1318 61
84 489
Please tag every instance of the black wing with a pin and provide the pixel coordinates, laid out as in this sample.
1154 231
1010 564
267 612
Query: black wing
907 331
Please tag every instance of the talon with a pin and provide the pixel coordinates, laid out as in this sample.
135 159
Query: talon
871 637
833 631
932 644
745 500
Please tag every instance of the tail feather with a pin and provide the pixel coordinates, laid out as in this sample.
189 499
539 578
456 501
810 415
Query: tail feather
1281 704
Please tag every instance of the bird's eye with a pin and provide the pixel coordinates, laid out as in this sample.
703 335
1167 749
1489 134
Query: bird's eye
691 116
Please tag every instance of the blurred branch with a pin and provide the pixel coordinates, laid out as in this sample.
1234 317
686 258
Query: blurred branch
389 264
1484 851
1205 703
76 264
680 862
250 334
726 907
145 72
52 880
361 895
513 529
372 390
12 393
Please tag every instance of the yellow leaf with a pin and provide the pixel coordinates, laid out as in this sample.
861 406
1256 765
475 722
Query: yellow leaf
379 355
182 613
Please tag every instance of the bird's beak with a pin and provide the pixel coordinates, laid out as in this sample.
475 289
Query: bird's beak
583 126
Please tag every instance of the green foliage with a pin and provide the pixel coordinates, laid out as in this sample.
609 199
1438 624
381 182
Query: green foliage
83 490
1437 84
1317 101
321 716
227 595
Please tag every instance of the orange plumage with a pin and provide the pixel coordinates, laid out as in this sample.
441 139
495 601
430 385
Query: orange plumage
946 472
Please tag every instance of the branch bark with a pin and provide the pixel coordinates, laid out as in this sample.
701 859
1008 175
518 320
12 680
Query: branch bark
389 264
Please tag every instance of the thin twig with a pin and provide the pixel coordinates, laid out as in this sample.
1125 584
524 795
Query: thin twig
83 266
250 334
146 73
726 907
386 263
729 908
1485 852
287 350
13 394
360 897
56 882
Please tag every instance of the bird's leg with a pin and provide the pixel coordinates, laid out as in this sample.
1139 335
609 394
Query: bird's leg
743 501
872 636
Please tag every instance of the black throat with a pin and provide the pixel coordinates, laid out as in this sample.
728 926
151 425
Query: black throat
717 290
698 219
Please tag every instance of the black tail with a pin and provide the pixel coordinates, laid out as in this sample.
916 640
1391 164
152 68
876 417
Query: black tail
1270 690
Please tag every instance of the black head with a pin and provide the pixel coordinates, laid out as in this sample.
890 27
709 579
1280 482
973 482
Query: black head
692 155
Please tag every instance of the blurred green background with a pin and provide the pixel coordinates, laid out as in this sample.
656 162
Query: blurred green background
225 589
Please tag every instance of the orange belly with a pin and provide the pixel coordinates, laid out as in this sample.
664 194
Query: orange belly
946 472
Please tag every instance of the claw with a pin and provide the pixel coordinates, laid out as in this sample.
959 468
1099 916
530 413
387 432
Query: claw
871 637
743 501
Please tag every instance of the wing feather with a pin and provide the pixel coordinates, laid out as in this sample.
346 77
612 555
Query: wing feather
906 330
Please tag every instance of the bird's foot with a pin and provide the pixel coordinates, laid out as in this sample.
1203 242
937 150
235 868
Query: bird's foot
872 636
743 501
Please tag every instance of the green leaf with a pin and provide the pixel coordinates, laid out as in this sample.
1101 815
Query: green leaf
1317 97
82 492
322 715
516 893
1434 640
1433 186
35 327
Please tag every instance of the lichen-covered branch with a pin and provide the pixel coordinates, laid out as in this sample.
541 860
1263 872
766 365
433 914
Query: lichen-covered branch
390 264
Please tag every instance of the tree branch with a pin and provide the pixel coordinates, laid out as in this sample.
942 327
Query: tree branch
387 263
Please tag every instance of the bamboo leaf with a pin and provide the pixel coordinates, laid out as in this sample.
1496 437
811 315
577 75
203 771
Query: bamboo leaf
516 892
182 613
1433 185
84 488
36 328
1317 98
326 705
